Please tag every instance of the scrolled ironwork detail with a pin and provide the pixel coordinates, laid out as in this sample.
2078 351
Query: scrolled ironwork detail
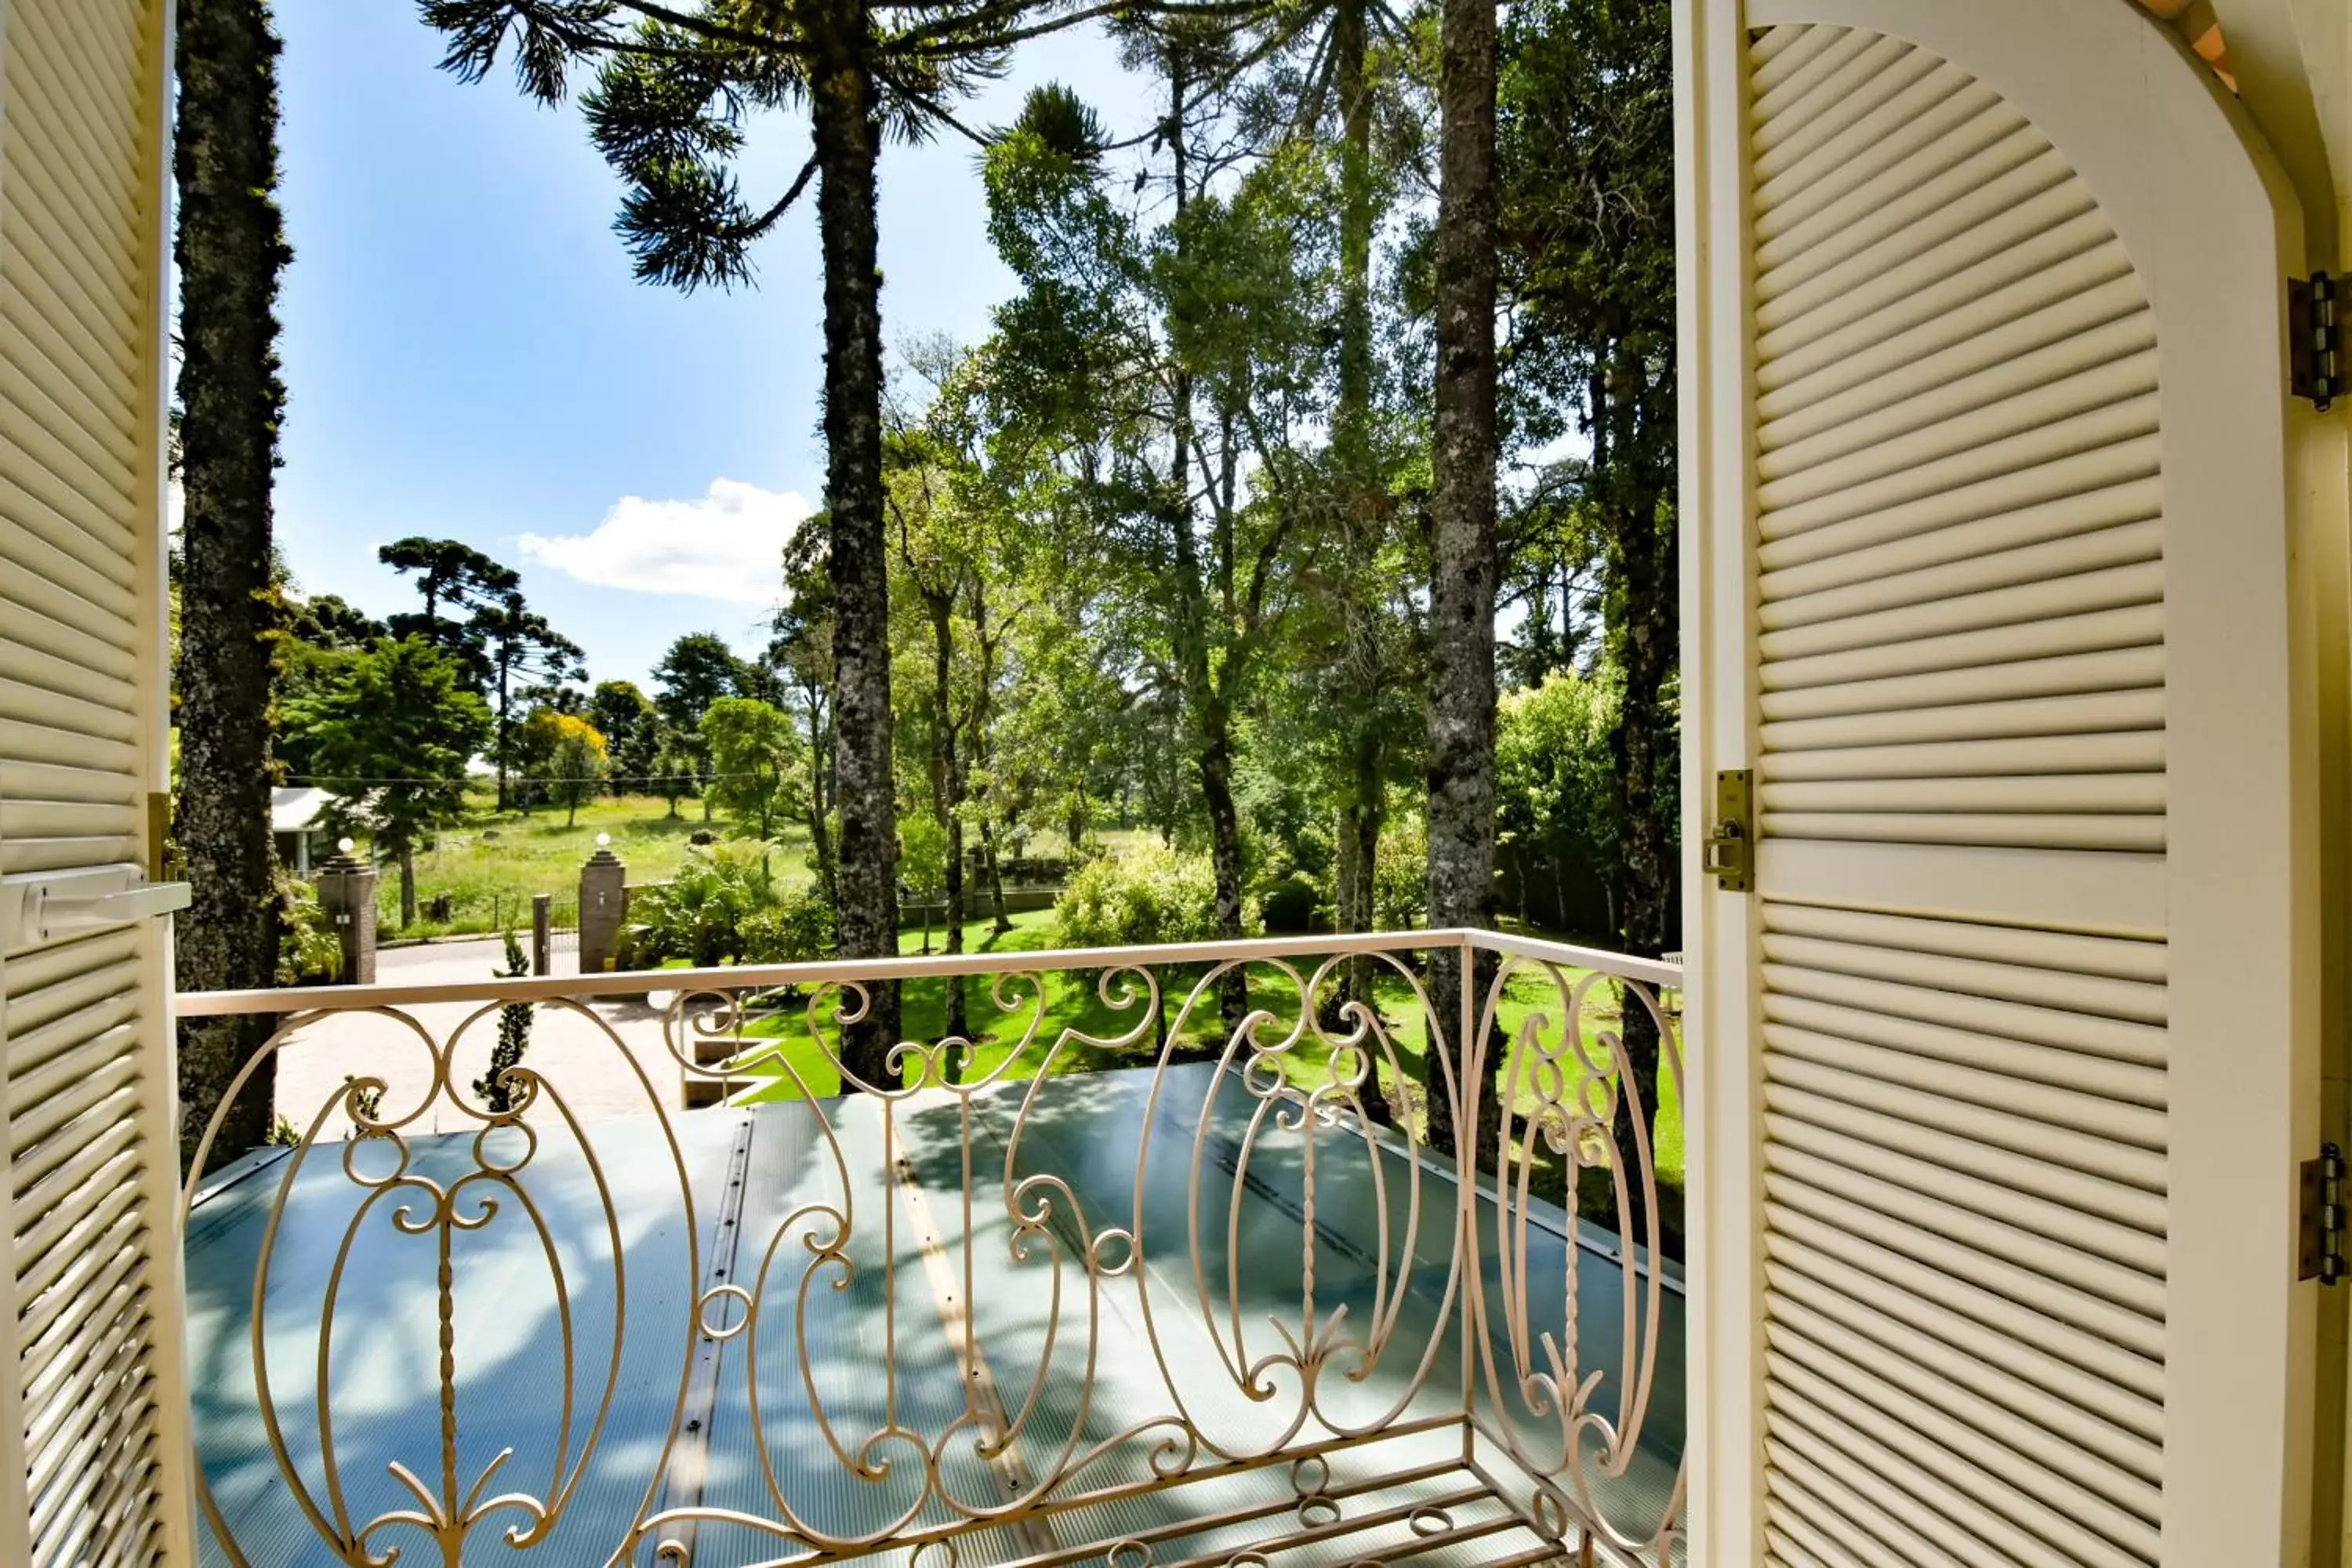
1389 1280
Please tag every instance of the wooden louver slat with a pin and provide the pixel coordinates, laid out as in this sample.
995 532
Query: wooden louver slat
1960 651
98 1469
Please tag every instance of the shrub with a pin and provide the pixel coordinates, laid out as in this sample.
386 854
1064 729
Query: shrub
797 929
699 915
1289 905
308 951
1401 877
1147 896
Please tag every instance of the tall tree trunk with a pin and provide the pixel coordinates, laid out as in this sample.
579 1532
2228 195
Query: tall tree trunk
1224 830
819 826
1364 744
842 109
1646 638
982 716
947 789
407 885
821 838
1212 724
1370 816
1344 870
1002 922
1463 563
1351 418
231 249
505 733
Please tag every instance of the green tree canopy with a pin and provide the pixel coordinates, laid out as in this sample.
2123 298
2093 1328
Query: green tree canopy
631 726
325 621
575 759
526 657
677 767
396 733
1168 372
754 759
1555 802
455 580
699 669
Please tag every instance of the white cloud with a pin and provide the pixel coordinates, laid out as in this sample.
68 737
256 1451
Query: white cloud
728 545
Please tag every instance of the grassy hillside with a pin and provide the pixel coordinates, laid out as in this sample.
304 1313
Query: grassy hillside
490 864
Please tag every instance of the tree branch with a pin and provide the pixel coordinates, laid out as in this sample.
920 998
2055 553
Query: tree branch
939 38
933 107
716 32
761 225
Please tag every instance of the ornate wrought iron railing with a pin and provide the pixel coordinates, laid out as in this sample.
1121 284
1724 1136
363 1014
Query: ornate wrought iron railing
1130 1272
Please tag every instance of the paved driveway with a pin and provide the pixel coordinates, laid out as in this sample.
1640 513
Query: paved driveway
606 1061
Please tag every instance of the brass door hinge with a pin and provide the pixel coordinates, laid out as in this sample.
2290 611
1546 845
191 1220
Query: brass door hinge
162 863
1731 842
2315 337
2321 1252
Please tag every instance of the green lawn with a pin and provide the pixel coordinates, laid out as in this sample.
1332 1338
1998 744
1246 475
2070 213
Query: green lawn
491 865
1073 1002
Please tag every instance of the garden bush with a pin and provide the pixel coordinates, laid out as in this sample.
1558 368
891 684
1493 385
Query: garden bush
1291 905
797 929
1401 877
308 952
702 913
1149 895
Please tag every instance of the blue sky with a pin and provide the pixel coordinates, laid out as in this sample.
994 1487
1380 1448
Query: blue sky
467 356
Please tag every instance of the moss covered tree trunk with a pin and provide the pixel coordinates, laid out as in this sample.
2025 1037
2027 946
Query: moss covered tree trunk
1645 636
847 133
1463 561
1364 745
231 249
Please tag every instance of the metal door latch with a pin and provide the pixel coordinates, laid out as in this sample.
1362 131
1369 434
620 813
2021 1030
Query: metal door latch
49 907
2321 1253
1730 855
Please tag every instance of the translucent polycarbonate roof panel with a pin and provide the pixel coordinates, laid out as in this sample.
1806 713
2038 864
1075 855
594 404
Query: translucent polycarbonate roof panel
1111 1282
542 1323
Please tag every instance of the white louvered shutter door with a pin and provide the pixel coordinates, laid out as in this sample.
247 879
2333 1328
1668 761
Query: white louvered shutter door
93 1395
1998 597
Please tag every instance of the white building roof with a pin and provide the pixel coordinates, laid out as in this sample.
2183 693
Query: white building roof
297 808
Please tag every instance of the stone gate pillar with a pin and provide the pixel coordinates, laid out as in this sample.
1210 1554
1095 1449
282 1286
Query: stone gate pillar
604 882
347 894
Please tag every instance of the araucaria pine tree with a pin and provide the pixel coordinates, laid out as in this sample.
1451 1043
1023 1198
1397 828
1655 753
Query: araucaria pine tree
675 85
231 249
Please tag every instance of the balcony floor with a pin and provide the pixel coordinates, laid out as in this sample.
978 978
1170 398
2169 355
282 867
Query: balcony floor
928 1314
